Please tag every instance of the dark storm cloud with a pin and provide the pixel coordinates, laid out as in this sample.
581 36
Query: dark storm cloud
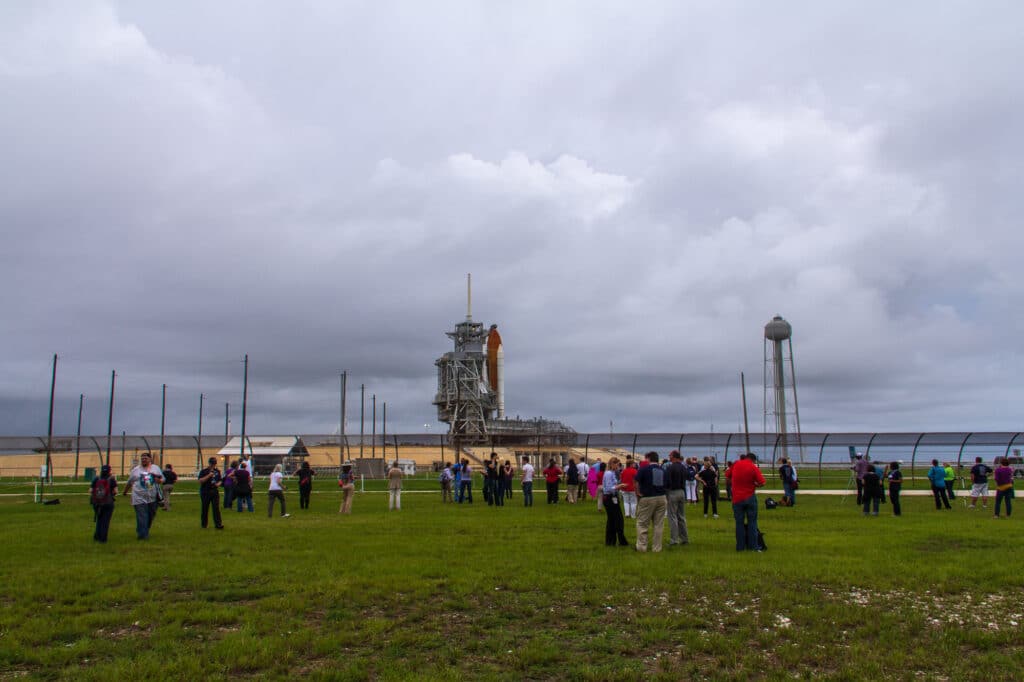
636 190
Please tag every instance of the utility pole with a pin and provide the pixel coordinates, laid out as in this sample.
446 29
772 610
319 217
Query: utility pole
163 417
199 440
110 418
49 429
78 433
245 402
362 417
373 430
341 424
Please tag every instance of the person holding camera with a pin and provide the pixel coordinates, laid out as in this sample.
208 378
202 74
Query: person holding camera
210 482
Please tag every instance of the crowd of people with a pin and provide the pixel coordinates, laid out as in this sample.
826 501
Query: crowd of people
871 478
647 490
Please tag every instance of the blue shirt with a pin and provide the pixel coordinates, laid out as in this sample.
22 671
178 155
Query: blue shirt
608 483
937 475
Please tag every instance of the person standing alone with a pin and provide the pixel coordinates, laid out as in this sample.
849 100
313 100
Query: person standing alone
276 492
210 482
527 482
979 483
102 493
746 478
395 487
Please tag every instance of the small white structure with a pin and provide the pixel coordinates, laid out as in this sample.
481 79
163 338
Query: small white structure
266 451
408 466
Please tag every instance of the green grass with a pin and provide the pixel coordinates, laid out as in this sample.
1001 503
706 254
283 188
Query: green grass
456 592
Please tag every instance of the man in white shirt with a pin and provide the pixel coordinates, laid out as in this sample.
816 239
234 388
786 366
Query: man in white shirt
144 484
583 470
527 481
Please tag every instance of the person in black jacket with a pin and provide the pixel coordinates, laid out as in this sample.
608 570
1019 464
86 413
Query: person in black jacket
210 482
167 487
872 490
305 476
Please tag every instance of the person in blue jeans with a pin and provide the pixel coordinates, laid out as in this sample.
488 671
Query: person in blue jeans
142 485
746 478
457 480
527 481
872 491
937 477
466 483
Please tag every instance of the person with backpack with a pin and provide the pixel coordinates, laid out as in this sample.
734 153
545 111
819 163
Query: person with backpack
243 487
305 476
788 477
102 493
445 479
652 507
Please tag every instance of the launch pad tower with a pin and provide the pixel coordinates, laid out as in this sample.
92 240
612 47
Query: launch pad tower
467 398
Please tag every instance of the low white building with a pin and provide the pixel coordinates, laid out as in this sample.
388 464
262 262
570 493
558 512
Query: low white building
267 452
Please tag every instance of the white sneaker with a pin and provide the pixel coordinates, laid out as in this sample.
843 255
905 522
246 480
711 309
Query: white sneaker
285 516
716 516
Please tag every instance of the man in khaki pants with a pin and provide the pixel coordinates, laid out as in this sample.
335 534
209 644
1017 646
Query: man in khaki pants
650 488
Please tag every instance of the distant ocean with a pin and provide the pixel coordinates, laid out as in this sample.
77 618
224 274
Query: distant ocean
828 449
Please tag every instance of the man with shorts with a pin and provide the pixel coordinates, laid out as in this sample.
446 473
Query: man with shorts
979 483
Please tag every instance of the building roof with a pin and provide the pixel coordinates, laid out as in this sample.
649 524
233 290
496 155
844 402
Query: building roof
265 445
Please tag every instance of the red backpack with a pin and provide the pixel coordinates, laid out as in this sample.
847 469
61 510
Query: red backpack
102 492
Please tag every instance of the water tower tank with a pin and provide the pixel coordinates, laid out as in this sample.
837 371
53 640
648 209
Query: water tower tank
778 329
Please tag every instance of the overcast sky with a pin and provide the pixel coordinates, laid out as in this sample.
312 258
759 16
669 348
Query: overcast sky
637 189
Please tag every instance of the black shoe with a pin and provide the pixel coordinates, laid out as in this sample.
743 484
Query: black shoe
219 527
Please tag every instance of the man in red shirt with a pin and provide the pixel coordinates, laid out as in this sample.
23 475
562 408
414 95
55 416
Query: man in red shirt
746 478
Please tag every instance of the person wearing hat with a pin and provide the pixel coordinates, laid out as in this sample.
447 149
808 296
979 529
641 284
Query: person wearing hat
210 482
142 484
860 467
102 493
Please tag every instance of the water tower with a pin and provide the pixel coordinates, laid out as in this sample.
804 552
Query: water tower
781 409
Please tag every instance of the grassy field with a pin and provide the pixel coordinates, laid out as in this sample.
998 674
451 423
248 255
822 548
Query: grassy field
458 592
